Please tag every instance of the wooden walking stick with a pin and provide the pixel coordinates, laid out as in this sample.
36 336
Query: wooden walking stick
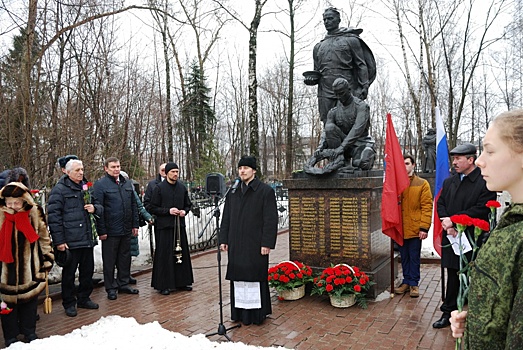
48 302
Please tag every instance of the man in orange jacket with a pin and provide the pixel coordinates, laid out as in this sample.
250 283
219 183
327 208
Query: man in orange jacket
416 208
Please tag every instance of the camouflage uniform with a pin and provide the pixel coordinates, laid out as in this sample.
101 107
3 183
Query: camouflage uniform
495 317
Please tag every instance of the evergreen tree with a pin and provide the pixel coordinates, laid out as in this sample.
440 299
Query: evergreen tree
199 121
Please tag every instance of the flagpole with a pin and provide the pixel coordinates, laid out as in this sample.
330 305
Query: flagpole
391 268
442 172
442 283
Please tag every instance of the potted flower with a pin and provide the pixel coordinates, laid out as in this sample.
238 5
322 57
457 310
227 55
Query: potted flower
289 279
345 285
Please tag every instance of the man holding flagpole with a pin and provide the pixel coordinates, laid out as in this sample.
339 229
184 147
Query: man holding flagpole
416 207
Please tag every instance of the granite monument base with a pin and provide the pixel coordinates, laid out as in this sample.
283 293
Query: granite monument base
335 220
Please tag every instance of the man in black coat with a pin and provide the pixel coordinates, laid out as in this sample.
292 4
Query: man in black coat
248 233
70 227
170 203
465 192
152 184
115 227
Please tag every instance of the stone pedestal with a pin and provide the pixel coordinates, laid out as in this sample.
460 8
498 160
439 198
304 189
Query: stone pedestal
338 220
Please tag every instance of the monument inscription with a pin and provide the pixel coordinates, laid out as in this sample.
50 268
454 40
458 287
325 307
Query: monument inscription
330 227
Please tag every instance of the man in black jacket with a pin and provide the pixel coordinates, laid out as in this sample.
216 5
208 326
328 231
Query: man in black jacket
152 184
462 193
70 227
115 227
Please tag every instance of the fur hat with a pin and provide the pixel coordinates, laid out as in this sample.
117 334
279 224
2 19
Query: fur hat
62 258
18 175
170 166
63 160
17 190
249 161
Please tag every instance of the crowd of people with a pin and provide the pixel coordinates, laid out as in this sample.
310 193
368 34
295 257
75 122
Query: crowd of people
80 214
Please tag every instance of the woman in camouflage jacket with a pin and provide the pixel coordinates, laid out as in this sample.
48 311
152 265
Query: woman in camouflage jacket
495 316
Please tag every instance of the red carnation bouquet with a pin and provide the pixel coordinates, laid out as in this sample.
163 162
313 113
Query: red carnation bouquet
342 279
288 275
462 221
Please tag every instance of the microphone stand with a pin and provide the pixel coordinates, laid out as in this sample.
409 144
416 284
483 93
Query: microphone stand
222 330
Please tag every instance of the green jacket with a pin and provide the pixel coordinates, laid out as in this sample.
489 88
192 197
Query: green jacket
495 316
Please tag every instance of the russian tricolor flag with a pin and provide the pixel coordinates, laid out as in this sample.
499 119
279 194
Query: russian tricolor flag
442 172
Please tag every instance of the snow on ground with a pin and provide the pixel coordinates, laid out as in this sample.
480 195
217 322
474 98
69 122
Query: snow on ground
115 332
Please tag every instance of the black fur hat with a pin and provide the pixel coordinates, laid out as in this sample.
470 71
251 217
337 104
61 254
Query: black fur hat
63 160
62 258
249 161
18 175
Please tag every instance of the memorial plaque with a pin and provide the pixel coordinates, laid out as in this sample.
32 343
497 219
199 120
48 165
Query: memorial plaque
336 221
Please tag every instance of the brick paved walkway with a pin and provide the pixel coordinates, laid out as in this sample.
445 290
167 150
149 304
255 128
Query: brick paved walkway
308 323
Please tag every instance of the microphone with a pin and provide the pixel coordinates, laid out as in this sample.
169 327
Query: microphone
235 185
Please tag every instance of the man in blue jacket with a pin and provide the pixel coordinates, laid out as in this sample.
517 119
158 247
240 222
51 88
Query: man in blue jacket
70 227
115 227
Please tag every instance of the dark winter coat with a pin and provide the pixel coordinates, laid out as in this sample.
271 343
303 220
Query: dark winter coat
462 197
161 203
120 213
68 221
250 222
24 279
149 191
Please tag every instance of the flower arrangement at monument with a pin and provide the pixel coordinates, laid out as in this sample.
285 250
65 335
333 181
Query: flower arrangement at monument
346 285
289 279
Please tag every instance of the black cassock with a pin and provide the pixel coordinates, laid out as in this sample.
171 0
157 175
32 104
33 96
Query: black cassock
250 222
167 274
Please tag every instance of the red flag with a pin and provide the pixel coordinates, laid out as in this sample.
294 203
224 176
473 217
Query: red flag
395 181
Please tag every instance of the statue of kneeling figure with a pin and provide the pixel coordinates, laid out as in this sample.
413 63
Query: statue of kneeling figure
345 140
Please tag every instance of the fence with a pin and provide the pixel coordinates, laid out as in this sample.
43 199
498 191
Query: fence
201 221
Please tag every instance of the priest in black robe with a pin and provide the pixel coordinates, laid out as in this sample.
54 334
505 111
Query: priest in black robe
170 203
248 233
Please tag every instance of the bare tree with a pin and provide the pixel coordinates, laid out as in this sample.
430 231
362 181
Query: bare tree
253 82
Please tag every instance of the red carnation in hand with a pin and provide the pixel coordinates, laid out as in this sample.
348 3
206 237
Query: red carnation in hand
493 204
461 219
481 224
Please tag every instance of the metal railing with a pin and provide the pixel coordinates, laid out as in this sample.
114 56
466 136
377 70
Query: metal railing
201 220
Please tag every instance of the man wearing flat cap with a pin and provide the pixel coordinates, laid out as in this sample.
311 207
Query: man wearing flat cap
465 192
248 233
170 203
